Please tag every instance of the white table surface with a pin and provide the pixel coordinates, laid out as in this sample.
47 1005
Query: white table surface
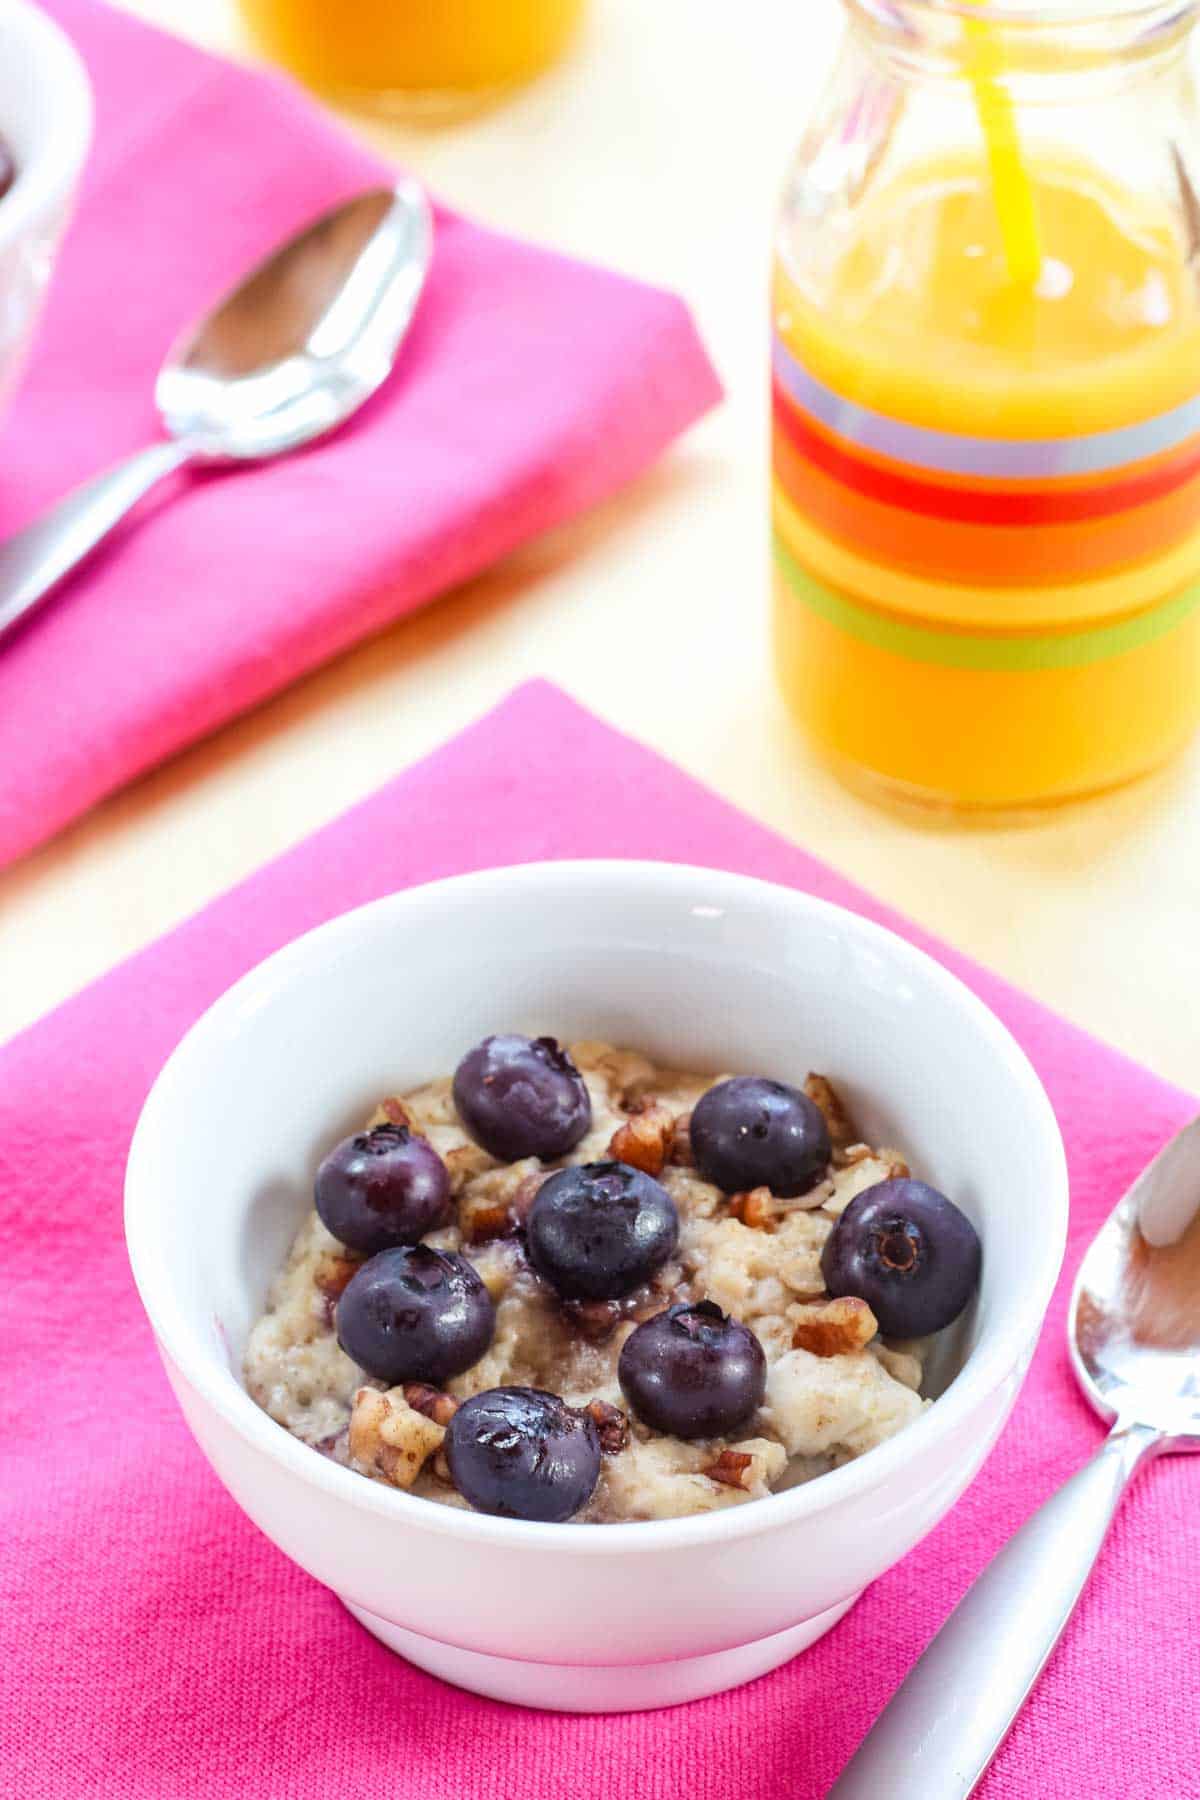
656 148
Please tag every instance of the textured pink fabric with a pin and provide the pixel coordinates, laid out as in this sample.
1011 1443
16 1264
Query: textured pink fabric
530 387
162 1648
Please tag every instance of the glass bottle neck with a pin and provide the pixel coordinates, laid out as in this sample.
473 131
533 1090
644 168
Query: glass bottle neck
1045 51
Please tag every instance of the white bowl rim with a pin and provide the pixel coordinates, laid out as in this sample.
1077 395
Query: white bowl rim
990 1363
46 180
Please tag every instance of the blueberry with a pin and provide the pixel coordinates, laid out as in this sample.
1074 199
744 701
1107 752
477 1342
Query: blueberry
415 1314
523 1453
598 1230
693 1372
749 1132
908 1252
520 1096
383 1187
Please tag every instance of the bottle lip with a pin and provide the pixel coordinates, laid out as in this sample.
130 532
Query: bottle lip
1045 16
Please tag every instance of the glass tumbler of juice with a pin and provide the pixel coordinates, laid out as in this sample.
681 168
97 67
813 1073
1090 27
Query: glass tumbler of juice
986 401
423 56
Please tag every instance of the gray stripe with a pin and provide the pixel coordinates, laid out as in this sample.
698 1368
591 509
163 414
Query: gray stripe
946 452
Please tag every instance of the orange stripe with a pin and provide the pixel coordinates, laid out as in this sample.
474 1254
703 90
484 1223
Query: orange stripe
990 502
986 555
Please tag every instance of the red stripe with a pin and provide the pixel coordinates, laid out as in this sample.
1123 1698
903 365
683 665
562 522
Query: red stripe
977 506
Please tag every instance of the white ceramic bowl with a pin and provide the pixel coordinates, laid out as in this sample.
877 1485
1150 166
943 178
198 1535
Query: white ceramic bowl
46 120
706 969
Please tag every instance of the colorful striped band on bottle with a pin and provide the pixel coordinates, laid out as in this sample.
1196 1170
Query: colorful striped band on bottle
984 511
1010 652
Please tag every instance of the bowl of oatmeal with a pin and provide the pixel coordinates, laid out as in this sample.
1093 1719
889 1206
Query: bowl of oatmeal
45 130
597 1273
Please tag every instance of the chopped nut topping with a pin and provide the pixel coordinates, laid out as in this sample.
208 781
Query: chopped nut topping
755 1209
645 1139
464 1163
594 1320
730 1468
833 1327
823 1095
612 1426
681 1142
441 1469
482 1223
526 1194
332 1276
390 1438
392 1112
431 1402
494 1201
333 1272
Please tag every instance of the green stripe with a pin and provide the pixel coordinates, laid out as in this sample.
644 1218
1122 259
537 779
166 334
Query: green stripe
979 650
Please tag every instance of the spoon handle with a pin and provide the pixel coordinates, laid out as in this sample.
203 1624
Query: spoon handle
36 559
945 1722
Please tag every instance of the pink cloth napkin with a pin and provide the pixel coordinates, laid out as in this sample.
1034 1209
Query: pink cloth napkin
163 1650
531 386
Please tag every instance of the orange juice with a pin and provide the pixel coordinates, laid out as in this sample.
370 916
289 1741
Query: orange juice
413 46
987 492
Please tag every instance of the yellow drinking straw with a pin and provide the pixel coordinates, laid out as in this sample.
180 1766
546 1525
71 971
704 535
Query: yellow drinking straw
1011 186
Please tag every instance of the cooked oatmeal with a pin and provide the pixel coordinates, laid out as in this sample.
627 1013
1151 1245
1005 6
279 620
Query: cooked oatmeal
834 1387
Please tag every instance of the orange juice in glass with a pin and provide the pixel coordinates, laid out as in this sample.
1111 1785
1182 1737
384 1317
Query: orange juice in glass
986 403
413 53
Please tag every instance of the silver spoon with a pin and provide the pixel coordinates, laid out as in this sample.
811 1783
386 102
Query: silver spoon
1134 1337
287 356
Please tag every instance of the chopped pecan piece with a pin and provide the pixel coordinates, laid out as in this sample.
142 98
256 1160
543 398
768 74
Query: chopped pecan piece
396 1113
526 1194
482 1223
612 1426
754 1209
730 1468
494 1201
834 1327
645 1139
464 1163
594 1320
823 1095
681 1142
331 1277
390 1438
432 1402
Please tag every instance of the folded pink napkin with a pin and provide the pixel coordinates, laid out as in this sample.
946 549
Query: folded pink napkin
530 387
164 1650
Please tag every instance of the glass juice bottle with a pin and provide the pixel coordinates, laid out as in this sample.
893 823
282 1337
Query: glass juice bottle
986 401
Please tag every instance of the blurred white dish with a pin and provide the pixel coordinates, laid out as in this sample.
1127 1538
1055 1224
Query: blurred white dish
724 972
46 121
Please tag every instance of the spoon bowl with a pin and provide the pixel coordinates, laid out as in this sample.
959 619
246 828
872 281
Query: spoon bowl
1133 1326
298 346
286 356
